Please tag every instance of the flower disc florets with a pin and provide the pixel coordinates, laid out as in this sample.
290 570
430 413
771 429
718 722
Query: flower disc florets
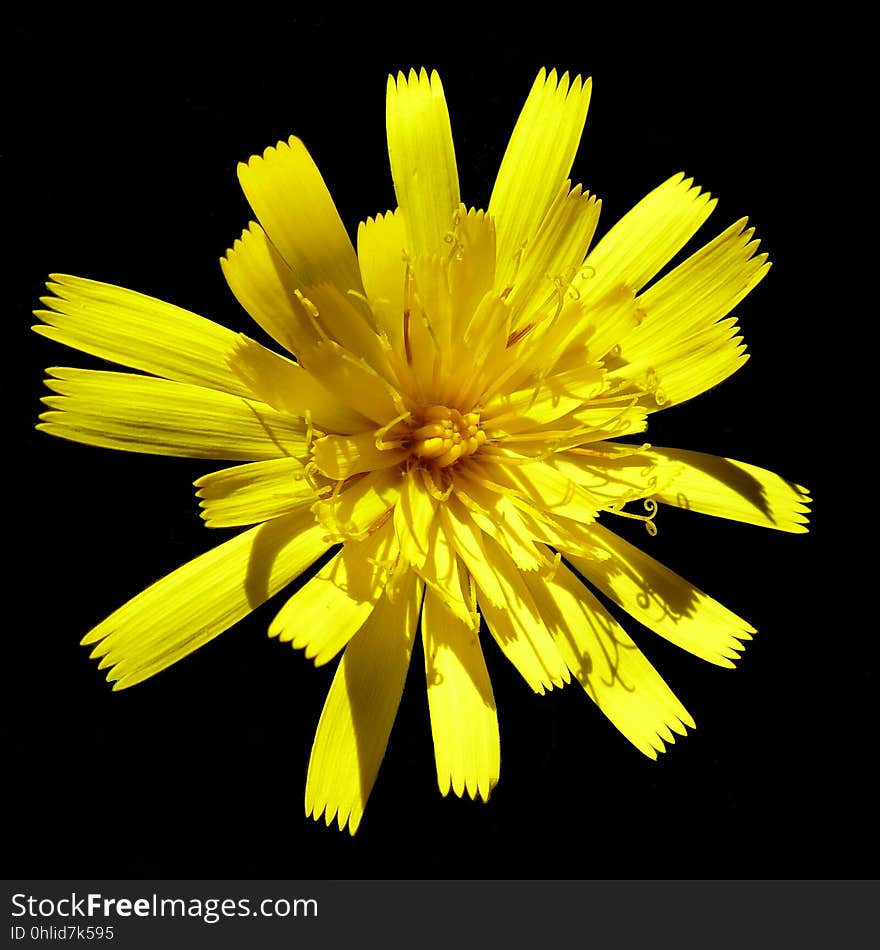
446 435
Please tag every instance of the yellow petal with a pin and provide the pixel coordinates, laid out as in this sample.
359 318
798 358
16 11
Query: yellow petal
354 380
579 335
161 417
498 516
468 543
605 323
266 287
422 159
200 600
661 600
576 430
288 387
563 534
330 608
464 722
555 254
612 670
297 314
613 480
433 298
485 343
291 201
471 267
381 253
413 516
347 319
542 484
139 331
341 456
645 238
548 399
536 163
445 574
361 506
359 712
518 628
258 491
690 367
684 343
730 489
699 292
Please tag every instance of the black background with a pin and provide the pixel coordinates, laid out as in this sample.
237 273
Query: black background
122 139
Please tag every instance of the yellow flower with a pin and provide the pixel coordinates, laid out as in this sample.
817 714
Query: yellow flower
451 427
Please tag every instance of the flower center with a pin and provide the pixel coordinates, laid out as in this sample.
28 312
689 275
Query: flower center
446 435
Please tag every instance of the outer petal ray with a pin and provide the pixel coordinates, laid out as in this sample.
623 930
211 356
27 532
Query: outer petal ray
445 574
699 292
267 288
645 238
288 195
471 267
198 601
327 611
354 380
360 709
413 517
141 332
361 507
161 417
464 722
661 600
468 541
422 159
553 257
684 343
249 494
518 628
612 670
499 517
545 486
536 163
341 456
381 253
730 489
694 366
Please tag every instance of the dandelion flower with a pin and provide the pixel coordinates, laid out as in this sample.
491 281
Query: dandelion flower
457 418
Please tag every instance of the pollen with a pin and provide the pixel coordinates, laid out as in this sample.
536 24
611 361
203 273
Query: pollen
446 435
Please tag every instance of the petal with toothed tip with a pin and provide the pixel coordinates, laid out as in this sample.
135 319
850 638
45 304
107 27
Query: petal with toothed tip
727 488
661 600
360 709
192 605
645 238
162 417
464 722
292 203
330 608
140 332
518 628
610 667
422 159
537 161
254 492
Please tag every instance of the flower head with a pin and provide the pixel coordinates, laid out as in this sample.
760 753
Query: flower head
458 421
